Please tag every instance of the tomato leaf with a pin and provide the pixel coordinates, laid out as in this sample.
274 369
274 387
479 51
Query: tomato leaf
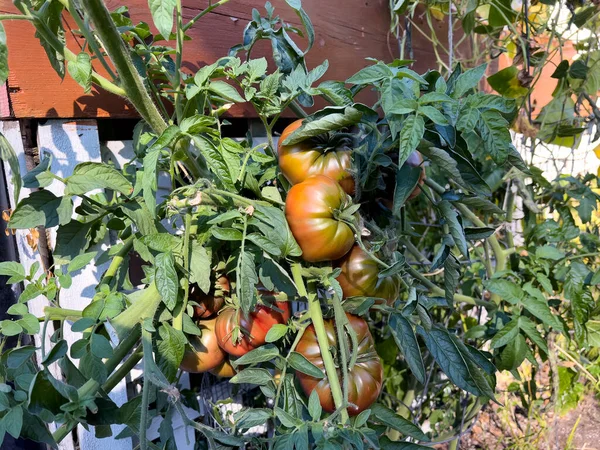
506 334
162 15
81 71
301 364
410 136
257 376
505 289
170 350
8 155
406 341
407 178
314 406
91 175
329 120
167 280
456 229
456 361
200 266
14 270
261 354
389 418
41 208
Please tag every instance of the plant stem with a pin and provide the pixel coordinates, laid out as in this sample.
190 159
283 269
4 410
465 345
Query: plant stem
119 54
178 319
436 290
283 372
316 315
178 59
110 273
188 25
16 17
54 313
123 371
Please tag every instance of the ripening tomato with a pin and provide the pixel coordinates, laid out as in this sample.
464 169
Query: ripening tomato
317 156
224 370
313 209
359 277
365 379
237 335
203 352
209 304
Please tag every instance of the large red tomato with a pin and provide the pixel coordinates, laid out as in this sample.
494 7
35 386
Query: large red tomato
312 209
359 277
364 380
314 157
203 353
251 330
209 304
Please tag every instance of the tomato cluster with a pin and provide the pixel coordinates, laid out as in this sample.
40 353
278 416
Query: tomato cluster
319 211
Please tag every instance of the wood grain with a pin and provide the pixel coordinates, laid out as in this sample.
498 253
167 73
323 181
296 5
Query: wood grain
347 32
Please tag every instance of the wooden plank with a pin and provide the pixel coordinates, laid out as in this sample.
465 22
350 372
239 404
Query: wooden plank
71 143
27 256
345 39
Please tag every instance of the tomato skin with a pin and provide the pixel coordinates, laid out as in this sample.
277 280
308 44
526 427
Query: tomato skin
209 304
303 159
359 277
309 210
203 353
255 327
224 370
364 380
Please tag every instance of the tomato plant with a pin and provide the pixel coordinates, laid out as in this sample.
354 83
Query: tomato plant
467 292
364 379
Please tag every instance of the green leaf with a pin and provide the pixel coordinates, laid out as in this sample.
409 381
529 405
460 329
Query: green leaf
530 329
167 281
29 323
227 234
578 69
8 155
301 364
506 82
170 348
540 309
79 262
328 122
468 80
456 229
218 159
18 356
482 204
389 418
456 361
18 309
493 129
200 266
3 55
225 90
387 444
72 239
434 115
100 346
513 354
257 376
406 341
246 281
451 278
506 290
407 178
12 422
10 328
371 74
40 176
410 136
549 252
286 419
261 354
83 324
276 332
91 175
41 208
162 15
314 406
506 334
81 71
14 270
58 351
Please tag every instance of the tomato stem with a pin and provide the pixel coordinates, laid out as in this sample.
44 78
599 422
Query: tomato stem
316 315
178 319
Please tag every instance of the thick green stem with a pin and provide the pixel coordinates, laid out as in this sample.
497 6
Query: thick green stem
178 59
123 371
110 273
119 54
53 313
316 315
15 17
214 197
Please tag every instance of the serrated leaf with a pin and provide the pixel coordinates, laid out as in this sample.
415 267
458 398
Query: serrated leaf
41 208
329 122
257 376
456 229
549 252
226 91
80 261
162 15
171 348
505 289
410 136
451 278
390 419
468 80
81 71
261 354
13 270
314 406
276 332
529 328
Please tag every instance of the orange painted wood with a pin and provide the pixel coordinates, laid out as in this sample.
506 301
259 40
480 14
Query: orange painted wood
347 31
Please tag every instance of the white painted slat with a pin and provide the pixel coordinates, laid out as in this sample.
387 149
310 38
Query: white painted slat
27 257
71 143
